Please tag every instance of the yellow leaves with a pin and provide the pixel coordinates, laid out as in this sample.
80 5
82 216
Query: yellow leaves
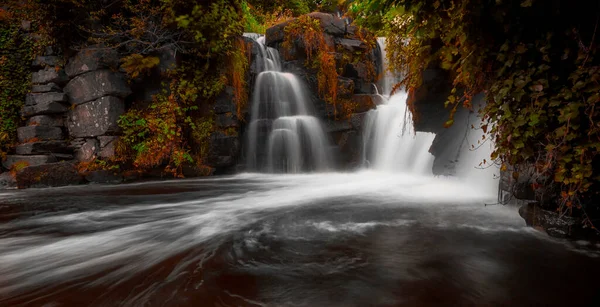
137 64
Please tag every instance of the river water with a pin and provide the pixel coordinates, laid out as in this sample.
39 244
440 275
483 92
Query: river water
340 239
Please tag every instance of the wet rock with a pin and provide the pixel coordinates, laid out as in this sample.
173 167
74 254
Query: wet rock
42 133
548 221
357 120
224 102
87 151
104 176
7 181
43 148
428 101
337 126
350 147
44 98
44 61
46 120
49 75
107 146
44 88
96 84
227 120
345 88
92 59
44 109
224 150
96 118
366 102
331 24
30 160
48 175
352 45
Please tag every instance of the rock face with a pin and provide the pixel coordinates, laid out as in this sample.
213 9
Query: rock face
98 117
49 75
30 160
91 59
42 133
93 85
48 175
224 149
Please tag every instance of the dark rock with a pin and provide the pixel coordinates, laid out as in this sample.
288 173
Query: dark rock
107 146
44 108
365 102
48 175
331 24
92 59
356 71
224 150
44 98
44 88
87 151
46 120
345 88
276 33
49 75
225 101
337 126
104 176
96 84
7 181
352 45
350 145
43 61
31 160
43 148
190 171
227 120
548 221
42 133
95 118
428 101
357 120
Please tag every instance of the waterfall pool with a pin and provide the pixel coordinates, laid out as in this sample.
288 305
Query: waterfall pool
324 239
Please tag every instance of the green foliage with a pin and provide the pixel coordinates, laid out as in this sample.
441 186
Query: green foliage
537 63
137 64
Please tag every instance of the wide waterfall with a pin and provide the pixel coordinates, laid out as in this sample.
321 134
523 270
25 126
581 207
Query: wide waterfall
283 134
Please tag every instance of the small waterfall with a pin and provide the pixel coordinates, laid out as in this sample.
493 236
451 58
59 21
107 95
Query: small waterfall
283 135
387 79
390 143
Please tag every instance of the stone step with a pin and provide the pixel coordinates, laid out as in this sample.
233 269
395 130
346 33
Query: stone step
40 133
44 88
44 98
44 109
49 75
34 160
43 148
46 120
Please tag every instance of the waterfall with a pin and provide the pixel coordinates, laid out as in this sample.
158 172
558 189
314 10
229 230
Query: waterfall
283 135
390 142
387 78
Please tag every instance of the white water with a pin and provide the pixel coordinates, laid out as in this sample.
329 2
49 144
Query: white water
283 135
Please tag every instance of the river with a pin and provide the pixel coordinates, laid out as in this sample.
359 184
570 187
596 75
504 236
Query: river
326 239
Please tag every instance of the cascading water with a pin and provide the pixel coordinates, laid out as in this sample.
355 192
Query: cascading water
389 140
283 136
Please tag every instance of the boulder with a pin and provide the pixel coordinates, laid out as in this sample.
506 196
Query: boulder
366 102
7 181
87 151
43 148
224 103
46 120
95 118
428 101
92 59
345 88
96 84
227 120
44 108
44 88
223 150
48 175
350 147
331 24
44 98
356 71
107 146
357 120
103 176
41 133
276 33
337 126
30 160
49 75
352 45
46 60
